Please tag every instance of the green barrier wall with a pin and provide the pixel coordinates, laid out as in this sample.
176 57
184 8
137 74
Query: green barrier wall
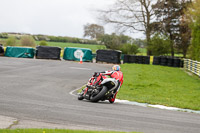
71 53
20 52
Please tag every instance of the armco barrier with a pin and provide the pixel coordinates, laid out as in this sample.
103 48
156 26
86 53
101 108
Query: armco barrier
47 52
20 52
137 59
192 66
109 56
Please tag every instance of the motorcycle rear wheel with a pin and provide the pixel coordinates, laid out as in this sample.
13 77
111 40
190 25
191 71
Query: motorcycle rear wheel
111 101
97 97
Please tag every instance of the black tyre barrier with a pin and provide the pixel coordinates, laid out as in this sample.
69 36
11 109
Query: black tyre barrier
140 59
137 59
163 61
156 60
126 58
177 62
109 56
1 50
47 52
133 59
146 59
167 61
182 63
170 62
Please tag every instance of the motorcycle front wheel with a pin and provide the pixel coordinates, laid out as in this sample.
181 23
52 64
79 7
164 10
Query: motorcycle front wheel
80 95
96 98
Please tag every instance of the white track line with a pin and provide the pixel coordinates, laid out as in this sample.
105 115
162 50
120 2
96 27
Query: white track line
80 68
144 104
72 92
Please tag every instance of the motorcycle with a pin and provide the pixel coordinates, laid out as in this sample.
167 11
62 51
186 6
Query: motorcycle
100 87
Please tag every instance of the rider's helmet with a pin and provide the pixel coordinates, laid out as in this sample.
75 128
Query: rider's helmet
116 68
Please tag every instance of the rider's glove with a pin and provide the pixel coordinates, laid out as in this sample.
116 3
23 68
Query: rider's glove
95 74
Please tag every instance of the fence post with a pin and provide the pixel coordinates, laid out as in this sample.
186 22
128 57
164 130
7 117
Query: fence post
189 67
195 67
186 63
199 69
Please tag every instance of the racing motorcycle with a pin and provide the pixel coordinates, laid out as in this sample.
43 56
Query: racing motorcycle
100 87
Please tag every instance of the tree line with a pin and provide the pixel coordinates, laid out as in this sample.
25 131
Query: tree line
170 26
48 38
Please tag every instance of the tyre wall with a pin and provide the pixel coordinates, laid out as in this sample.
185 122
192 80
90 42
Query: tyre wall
109 56
167 61
1 50
46 52
137 59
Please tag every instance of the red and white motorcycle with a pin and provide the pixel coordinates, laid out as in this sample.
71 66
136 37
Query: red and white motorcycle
99 88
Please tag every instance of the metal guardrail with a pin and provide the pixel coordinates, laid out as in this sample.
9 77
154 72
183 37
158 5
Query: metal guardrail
192 66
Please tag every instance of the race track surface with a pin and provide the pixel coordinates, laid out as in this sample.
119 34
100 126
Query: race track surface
39 90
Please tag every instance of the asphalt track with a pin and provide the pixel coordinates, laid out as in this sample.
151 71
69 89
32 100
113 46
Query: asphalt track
39 90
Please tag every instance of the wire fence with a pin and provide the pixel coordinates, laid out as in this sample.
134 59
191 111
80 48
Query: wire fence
192 66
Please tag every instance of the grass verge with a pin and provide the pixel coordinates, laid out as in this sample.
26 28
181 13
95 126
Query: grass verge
52 131
160 85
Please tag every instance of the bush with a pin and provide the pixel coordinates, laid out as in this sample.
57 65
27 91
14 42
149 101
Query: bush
11 41
129 49
159 45
27 41
3 35
43 43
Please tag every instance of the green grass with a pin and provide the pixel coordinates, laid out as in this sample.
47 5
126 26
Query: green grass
160 85
51 131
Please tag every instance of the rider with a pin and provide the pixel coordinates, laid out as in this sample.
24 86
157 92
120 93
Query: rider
118 75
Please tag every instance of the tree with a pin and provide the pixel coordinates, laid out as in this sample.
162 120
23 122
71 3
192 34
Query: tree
194 20
11 41
27 41
183 39
114 41
170 21
132 15
93 31
184 36
160 44
139 42
129 49
167 13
